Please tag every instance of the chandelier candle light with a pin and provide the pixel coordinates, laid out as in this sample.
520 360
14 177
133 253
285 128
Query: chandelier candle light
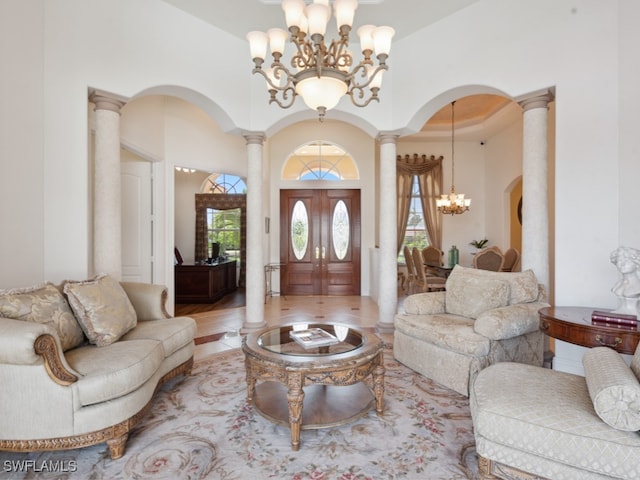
323 74
454 203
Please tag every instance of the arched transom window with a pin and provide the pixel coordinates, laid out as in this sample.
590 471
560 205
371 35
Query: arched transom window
320 160
224 183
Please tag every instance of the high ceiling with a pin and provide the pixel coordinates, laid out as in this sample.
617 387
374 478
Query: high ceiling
238 17
241 16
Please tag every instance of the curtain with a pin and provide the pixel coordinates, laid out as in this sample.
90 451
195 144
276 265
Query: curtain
429 173
221 201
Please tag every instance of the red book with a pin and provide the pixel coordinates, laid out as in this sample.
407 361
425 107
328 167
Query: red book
599 316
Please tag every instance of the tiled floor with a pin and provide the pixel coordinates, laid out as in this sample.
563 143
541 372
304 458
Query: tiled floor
354 311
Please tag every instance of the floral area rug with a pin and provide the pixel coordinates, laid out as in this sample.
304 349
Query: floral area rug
202 427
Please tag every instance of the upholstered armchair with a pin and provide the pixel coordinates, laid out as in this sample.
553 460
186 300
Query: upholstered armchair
482 318
536 423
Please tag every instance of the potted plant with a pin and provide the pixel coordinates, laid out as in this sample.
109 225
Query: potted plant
479 244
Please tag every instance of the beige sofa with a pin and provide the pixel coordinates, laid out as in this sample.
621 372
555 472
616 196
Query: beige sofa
79 363
536 423
482 318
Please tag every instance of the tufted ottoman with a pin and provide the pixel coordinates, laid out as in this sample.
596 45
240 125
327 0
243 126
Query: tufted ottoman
531 422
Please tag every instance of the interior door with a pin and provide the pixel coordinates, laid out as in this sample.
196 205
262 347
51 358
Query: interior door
320 242
137 259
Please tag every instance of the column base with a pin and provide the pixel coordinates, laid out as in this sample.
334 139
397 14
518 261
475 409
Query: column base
252 327
385 327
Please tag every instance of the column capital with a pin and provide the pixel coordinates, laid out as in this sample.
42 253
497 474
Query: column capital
387 137
106 101
537 101
256 138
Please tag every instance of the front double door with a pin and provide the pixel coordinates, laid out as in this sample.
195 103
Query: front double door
320 242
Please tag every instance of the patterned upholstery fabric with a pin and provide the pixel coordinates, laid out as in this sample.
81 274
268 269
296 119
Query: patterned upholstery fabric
450 336
523 286
508 322
470 296
44 304
425 303
558 435
102 309
453 332
613 387
122 366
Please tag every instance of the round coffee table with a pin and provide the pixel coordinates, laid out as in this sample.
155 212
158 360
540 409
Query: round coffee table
281 373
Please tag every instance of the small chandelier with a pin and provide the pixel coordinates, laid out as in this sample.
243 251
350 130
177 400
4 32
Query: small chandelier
454 203
323 74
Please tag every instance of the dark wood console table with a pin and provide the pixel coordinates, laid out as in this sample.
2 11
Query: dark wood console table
204 283
573 325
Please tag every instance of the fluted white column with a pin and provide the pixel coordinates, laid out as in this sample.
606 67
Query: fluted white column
535 203
107 198
388 281
255 265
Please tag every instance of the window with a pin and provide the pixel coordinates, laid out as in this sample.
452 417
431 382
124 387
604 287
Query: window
223 228
224 183
320 161
415 234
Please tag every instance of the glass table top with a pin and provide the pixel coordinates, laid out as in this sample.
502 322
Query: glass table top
341 339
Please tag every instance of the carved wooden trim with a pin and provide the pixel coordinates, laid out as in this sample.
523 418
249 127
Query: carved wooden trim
46 346
115 436
490 470
163 303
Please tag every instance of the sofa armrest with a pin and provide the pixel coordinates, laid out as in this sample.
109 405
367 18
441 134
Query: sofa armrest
425 303
30 343
510 321
149 300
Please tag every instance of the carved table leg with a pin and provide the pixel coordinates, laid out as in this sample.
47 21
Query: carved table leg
378 387
295 396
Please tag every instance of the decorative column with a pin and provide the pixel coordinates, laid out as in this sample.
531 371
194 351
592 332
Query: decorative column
535 203
388 282
107 199
255 263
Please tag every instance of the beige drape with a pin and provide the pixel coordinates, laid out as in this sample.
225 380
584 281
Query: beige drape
429 173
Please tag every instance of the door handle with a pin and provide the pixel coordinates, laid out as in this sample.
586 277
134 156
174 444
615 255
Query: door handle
317 253
323 252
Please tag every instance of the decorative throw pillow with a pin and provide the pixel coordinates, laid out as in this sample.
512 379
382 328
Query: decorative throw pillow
614 389
43 303
469 295
523 286
102 309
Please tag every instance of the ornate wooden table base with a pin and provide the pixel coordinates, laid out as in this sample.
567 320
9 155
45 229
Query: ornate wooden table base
330 382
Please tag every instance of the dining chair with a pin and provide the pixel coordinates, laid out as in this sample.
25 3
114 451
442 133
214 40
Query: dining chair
489 259
435 256
426 283
431 254
511 259
419 281
411 271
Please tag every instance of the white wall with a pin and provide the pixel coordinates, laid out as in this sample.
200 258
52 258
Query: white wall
22 176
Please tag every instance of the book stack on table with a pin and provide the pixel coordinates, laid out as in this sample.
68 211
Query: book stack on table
313 337
611 319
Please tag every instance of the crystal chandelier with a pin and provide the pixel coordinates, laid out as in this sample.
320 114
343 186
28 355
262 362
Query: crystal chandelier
321 74
453 203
